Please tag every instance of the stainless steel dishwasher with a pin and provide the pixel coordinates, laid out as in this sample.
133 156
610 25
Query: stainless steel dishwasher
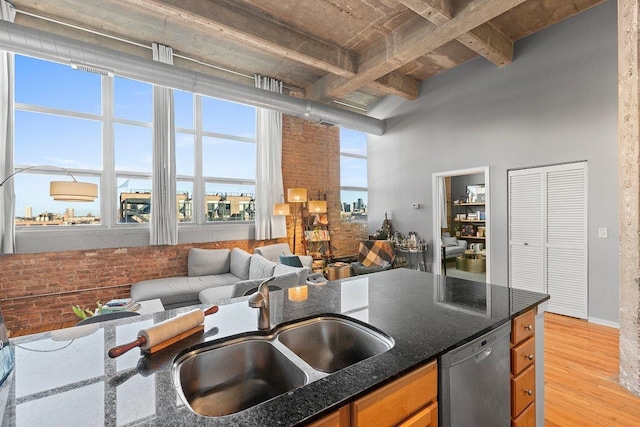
474 382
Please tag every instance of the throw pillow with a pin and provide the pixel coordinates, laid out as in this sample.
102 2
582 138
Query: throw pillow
291 260
372 259
204 262
450 241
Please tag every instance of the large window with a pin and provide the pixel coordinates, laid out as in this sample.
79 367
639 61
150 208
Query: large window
58 122
353 175
100 129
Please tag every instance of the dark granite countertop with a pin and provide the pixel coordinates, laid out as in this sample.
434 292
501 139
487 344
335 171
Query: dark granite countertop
62 379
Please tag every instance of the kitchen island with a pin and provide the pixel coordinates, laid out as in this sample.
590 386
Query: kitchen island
66 378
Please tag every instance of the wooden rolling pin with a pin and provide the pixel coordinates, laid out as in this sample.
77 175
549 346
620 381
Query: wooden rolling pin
166 332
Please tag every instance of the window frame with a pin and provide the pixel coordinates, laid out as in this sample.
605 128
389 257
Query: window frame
351 187
108 177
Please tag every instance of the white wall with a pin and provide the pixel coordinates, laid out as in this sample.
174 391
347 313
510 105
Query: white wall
557 102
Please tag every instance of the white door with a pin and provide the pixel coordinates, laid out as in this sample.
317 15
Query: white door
548 235
526 230
566 240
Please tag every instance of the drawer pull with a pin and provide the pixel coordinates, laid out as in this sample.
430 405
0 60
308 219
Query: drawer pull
529 327
530 357
529 392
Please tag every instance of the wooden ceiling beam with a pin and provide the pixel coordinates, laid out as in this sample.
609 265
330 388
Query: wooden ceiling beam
273 38
411 41
485 39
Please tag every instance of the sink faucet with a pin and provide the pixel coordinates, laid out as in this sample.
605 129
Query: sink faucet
260 300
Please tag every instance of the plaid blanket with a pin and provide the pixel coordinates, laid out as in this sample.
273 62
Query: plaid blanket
375 252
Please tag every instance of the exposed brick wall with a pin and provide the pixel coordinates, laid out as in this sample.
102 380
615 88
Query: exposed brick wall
311 159
39 289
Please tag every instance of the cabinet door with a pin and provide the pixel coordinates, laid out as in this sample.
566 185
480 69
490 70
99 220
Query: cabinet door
526 230
340 418
395 402
426 417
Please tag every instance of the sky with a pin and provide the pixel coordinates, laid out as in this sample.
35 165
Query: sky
42 138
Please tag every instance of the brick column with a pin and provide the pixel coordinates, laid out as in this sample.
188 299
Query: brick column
629 189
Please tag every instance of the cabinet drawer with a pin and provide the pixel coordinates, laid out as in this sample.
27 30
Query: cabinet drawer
340 418
523 355
523 327
426 417
527 418
398 400
523 390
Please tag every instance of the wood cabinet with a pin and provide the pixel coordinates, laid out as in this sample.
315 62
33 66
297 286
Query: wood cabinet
339 418
410 401
523 381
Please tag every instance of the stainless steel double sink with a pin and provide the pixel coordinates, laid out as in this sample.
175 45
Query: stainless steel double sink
233 374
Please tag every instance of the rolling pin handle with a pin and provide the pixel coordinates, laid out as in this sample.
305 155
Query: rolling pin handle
211 310
119 350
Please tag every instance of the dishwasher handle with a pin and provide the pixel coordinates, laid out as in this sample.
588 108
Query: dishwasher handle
483 355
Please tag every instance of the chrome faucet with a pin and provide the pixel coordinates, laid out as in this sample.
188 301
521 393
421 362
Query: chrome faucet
260 300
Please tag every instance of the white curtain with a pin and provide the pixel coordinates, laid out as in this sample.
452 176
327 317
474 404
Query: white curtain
7 195
269 189
164 216
442 196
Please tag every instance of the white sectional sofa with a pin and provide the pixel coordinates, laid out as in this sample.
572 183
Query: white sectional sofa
224 273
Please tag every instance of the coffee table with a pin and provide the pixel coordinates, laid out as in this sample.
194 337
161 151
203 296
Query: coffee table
473 263
150 306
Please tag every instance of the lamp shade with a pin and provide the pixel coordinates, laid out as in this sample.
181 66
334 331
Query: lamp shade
317 206
298 294
297 195
73 191
281 209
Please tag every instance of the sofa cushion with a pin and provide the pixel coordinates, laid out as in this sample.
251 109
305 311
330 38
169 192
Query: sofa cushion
272 252
204 262
178 290
248 287
450 241
215 295
292 260
260 267
301 272
240 262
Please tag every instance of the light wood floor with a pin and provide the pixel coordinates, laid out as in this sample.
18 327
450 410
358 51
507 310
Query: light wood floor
581 376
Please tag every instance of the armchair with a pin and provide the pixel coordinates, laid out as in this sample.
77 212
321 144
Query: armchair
373 256
452 246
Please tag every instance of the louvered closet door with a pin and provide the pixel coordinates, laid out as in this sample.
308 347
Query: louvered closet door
566 239
548 235
526 230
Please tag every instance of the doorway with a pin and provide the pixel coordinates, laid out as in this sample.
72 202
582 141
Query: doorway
461 224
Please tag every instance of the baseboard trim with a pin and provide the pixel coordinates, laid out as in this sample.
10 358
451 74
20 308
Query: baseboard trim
604 322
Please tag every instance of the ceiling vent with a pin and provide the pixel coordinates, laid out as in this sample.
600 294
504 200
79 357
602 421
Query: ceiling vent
92 69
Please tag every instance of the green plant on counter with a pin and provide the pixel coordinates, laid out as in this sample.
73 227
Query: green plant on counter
83 313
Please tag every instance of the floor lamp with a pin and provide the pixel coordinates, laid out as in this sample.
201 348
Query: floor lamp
66 191
297 196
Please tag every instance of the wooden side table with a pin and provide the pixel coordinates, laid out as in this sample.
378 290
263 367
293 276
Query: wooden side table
338 270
